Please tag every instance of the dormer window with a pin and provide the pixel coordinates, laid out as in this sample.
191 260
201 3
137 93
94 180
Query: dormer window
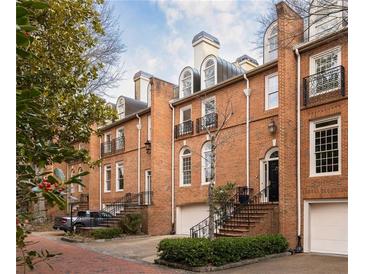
326 17
186 83
271 43
121 107
209 72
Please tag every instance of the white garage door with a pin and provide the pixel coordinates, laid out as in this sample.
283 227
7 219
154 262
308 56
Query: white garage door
188 216
328 228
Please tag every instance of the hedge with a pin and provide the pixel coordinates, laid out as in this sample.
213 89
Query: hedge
220 251
106 233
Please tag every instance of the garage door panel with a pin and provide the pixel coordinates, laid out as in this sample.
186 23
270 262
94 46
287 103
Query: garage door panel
328 228
188 216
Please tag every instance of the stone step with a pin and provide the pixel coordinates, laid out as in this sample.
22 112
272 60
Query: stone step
234 231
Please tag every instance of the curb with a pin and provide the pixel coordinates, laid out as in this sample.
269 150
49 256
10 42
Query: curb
223 267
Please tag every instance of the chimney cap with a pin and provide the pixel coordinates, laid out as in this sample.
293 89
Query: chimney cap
205 35
141 74
248 58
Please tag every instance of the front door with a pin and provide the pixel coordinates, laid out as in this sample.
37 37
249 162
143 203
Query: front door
273 181
269 185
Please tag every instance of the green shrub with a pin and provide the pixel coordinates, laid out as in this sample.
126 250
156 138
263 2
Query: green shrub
106 233
131 223
220 251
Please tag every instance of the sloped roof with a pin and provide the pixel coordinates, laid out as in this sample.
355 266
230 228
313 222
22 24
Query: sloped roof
206 35
132 105
246 57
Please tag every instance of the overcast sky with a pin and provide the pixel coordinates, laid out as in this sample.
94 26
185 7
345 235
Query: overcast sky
158 34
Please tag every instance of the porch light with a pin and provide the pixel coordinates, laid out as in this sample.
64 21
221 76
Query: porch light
272 127
148 147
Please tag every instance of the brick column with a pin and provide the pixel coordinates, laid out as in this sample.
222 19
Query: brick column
289 25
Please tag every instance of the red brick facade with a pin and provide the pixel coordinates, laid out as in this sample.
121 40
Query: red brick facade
231 156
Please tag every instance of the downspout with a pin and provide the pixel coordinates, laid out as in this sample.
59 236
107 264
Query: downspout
100 171
139 127
172 171
299 247
247 92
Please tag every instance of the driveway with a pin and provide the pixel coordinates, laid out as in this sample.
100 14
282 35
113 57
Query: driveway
142 250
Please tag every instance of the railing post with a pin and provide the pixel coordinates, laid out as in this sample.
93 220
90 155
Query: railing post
305 91
342 81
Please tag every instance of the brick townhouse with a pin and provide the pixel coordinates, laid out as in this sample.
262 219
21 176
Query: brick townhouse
285 144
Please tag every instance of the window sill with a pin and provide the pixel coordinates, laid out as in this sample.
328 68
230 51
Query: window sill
107 191
187 185
314 175
119 190
272 108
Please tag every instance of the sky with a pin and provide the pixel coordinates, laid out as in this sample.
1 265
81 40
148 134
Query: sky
158 35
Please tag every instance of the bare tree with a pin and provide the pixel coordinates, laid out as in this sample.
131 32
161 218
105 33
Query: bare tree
216 138
107 52
312 12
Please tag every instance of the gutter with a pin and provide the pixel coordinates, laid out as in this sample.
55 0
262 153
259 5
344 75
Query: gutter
247 92
172 171
100 171
139 127
299 248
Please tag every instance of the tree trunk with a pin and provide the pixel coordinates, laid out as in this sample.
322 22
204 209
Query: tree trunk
211 187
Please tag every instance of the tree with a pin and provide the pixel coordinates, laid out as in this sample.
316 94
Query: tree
216 138
312 12
53 110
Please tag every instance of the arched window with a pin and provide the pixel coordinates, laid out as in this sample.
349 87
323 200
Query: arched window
207 158
121 107
271 42
185 167
81 189
209 72
186 82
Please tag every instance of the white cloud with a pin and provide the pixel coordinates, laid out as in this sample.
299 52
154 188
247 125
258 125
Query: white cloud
232 22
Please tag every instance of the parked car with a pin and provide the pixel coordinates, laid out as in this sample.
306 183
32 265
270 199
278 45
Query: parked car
82 219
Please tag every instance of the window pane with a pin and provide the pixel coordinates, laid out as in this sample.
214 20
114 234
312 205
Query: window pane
186 115
273 100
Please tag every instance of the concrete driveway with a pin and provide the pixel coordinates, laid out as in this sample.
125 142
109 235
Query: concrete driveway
143 249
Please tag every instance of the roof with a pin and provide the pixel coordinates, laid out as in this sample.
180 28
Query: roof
248 58
141 73
226 70
132 105
206 35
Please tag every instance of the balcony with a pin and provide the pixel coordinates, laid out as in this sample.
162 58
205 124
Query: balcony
324 86
183 129
209 121
112 147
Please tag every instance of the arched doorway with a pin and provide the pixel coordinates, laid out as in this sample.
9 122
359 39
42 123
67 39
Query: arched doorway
269 181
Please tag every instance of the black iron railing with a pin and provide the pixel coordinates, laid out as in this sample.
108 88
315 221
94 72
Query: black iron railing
183 129
242 205
114 146
209 121
324 85
223 214
128 200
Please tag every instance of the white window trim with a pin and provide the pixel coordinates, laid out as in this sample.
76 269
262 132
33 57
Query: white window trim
306 215
105 169
72 186
337 49
203 182
183 109
207 100
181 90
181 180
266 43
267 90
121 99
117 165
312 160
202 73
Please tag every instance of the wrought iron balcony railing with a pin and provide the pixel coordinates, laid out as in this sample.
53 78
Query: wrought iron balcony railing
324 85
114 146
209 121
183 129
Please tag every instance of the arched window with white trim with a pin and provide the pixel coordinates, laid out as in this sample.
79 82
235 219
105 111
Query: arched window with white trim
271 42
185 167
208 73
207 158
186 83
121 107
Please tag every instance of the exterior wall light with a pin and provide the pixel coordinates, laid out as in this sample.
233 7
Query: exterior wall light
148 147
272 127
